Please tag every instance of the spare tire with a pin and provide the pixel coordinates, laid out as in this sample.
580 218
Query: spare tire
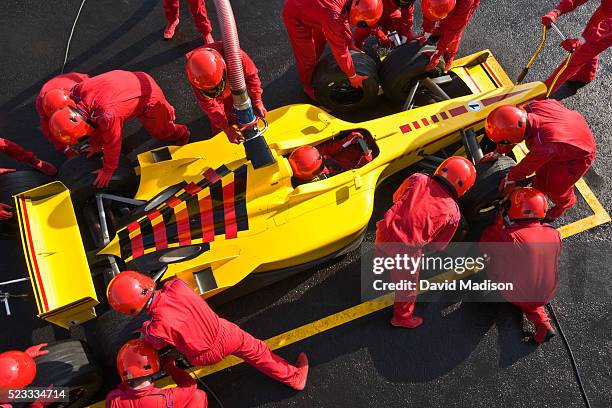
479 204
68 364
401 67
76 174
332 87
14 183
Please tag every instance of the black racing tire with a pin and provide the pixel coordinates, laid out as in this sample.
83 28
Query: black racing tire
69 364
14 183
480 204
112 329
401 67
76 174
333 90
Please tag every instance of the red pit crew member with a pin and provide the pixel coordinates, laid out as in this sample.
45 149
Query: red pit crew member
207 74
103 104
534 257
137 361
182 319
397 15
198 10
561 148
18 370
424 211
313 23
596 37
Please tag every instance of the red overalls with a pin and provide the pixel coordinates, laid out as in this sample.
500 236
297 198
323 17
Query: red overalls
312 23
110 99
561 150
598 36
198 10
393 18
220 110
181 318
63 81
424 211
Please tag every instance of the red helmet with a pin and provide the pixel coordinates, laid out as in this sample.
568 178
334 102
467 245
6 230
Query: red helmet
458 172
206 71
306 162
136 359
54 100
129 292
67 125
17 369
527 203
435 10
506 124
365 13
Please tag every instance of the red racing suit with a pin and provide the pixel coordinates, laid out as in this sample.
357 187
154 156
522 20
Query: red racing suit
561 150
450 30
424 211
63 81
13 150
312 23
181 318
185 395
598 37
220 110
534 259
393 18
198 10
109 100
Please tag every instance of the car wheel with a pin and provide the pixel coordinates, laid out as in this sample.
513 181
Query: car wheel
332 87
14 183
401 67
76 174
112 330
479 204
68 364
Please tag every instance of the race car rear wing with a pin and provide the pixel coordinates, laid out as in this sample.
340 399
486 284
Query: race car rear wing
55 256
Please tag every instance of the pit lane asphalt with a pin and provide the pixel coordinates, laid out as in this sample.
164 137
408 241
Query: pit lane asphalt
470 356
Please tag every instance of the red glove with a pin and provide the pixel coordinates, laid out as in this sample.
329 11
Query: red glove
90 151
434 59
571 44
4 171
233 135
422 39
70 152
260 109
35 351
489 157
357 80
506 186
550 17
383 39
5 211
45 167
103 178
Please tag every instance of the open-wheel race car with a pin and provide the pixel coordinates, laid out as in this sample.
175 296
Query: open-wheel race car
203 213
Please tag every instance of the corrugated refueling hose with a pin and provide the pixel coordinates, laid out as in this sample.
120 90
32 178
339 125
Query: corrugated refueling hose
255 144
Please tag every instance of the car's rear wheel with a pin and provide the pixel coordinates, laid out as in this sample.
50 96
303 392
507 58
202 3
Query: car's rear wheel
333 89
14 183
68 364
112 330
401 67
480 204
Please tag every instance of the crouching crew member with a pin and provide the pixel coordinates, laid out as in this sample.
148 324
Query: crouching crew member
182 319
207 73
137 362
312 23
103 104
530 264
424 211
447 20
561 148
18 370
53 96
596 38
397 15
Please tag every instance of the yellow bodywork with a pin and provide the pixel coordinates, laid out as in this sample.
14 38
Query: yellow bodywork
280 226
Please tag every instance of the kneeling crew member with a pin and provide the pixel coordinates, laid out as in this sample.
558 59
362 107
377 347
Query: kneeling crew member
425 211
137 361
561 148
18 370
182 319
531 263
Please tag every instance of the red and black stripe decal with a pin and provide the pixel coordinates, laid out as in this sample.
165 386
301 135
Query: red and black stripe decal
240 187
218 209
